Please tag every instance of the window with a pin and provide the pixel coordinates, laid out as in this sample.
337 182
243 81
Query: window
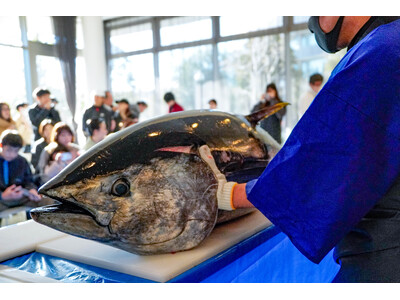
247 66
10 33
231 25
185 29
232 64
132 38
40 29
188 73
300 19
50 76
132 78
306 59
12 76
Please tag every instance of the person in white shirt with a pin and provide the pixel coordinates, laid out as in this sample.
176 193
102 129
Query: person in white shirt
315 85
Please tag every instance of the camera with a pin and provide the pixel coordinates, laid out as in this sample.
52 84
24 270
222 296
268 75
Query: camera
65 156
25 192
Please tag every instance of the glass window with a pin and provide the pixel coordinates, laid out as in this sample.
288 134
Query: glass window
300 19
185 29
246 67
131 38
10 32
188 73
132 78
306 59
12 76
230 25
81 86
40 29
50 76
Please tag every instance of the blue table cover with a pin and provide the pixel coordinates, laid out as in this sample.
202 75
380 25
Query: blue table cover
266 257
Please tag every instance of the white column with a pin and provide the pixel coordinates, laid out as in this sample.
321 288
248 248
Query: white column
94 53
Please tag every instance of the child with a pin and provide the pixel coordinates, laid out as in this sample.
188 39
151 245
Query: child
16 183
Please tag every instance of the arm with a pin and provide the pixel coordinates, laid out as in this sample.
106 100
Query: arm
11 193
54 115
37 115
341 158
84 125
239 197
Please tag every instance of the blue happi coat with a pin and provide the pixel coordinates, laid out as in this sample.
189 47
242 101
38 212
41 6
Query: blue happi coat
343 156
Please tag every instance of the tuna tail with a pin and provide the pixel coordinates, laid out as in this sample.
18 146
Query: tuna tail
257 116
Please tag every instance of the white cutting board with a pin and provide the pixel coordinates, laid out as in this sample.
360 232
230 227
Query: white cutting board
22 238
160 268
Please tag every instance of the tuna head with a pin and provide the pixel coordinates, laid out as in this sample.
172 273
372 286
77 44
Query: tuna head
146 190
167 205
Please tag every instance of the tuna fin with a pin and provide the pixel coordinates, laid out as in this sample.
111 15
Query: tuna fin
257 116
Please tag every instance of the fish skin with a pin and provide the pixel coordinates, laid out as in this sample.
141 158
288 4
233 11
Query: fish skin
171 203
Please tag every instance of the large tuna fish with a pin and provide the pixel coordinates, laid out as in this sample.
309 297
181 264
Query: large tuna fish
146 190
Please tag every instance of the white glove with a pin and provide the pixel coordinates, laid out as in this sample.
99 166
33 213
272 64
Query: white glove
225 189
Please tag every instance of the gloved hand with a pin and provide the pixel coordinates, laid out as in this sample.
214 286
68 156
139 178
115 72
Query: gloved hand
225 189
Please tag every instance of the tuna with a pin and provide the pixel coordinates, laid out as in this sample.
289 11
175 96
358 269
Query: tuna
146 190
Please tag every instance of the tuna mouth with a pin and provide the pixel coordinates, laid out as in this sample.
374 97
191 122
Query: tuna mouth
64 206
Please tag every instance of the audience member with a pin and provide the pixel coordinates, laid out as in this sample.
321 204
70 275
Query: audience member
315 84
24 126
59 153
138 108
45 129
213 104
98 131
173 106
109 101
16 184
272 124
6 122
98 110
124 116
44 109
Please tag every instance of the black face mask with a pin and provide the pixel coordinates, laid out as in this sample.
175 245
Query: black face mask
326 41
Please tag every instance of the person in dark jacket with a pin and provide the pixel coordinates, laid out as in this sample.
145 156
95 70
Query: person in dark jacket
44 109
272 124
16 183
98 111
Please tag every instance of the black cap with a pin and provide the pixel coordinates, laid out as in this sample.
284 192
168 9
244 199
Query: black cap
21 105
141 103
122 101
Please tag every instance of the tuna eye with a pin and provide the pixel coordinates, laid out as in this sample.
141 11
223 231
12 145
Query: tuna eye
120 188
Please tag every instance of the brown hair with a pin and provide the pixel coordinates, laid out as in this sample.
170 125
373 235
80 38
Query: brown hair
58 128
2 105
43 124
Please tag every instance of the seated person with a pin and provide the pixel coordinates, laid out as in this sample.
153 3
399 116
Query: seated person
97 130
49 165
59 157
16 183
124 116
45 129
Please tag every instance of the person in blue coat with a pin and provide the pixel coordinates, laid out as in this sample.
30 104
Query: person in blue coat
335 182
